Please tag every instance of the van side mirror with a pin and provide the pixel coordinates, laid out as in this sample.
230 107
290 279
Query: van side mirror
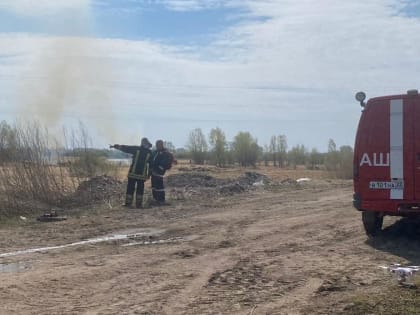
360 97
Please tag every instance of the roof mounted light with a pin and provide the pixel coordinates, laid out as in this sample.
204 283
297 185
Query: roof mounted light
360 97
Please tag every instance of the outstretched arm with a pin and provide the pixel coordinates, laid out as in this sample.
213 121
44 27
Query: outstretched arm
130 149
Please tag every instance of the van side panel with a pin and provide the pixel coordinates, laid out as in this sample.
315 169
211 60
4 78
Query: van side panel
408 147
416 147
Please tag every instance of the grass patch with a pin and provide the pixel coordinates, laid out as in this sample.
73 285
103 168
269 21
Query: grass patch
392 301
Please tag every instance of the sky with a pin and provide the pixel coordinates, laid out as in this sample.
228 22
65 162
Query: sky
161 68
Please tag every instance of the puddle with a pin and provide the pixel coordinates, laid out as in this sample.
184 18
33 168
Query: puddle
14 267
131 234
163 241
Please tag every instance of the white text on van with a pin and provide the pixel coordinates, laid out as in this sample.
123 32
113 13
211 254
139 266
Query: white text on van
376 160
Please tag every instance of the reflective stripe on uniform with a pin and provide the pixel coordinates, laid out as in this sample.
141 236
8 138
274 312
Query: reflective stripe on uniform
144 175
136 159
137 176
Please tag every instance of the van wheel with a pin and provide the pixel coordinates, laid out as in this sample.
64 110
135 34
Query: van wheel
372 221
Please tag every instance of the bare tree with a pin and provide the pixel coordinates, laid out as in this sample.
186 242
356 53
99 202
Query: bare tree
7 139
297 155
315 159
332 158
282 149
266 155
217 140
246 149
197 145
273 149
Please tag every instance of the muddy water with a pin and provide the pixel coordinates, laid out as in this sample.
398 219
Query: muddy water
15 267
127 235
163 241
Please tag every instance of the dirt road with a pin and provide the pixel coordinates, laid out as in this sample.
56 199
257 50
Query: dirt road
286 250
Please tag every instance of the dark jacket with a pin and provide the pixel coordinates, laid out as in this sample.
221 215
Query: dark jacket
160 162
141 164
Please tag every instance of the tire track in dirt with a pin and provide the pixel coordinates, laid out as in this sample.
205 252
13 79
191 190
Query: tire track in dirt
208 265
232 281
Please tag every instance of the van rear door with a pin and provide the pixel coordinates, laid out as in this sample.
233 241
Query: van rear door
385 149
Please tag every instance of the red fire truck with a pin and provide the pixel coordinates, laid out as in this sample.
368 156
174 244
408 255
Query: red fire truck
387 159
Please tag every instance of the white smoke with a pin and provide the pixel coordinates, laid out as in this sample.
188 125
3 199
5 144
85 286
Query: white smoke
69 75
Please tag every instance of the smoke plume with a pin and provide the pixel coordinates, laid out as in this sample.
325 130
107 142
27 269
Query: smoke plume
69 79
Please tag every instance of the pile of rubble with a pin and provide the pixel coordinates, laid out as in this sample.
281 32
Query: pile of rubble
193 180
252 178
244 183
97 189
199 183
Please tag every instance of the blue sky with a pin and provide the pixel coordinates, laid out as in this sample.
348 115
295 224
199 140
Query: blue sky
133 20
160 68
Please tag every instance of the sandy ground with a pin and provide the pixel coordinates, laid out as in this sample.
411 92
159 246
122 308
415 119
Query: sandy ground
284 250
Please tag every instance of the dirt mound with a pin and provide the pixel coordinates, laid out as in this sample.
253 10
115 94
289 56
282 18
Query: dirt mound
195 169
204 184
234 188
97 189
193 180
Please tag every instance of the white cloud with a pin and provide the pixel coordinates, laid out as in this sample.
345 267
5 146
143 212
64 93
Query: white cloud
42 7
326 44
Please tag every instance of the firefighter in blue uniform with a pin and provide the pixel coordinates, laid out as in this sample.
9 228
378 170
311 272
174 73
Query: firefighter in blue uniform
139 170
161 162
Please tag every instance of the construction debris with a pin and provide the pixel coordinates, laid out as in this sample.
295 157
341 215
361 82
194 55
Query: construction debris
97 189
50 217
200 183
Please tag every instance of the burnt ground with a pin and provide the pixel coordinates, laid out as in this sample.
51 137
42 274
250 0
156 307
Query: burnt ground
248 245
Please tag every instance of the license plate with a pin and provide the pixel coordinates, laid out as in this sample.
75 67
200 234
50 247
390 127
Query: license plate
395 184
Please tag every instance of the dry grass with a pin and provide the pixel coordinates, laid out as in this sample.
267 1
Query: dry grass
37 171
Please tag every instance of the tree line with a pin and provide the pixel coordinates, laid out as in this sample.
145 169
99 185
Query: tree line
214 148
245 151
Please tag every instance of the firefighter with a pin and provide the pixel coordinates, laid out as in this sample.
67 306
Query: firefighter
139 170
161 162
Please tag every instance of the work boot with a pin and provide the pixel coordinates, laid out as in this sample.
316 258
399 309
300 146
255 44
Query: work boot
139 201
161 202
128 200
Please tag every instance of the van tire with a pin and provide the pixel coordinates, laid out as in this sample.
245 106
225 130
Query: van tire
372 221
